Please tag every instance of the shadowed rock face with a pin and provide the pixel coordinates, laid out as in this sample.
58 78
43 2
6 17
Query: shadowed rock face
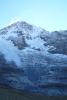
59 42
41 74
7 70
19 42
42 55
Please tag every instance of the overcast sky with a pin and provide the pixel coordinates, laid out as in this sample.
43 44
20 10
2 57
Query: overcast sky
48 14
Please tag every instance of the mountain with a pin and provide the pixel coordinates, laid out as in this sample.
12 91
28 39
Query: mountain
33 59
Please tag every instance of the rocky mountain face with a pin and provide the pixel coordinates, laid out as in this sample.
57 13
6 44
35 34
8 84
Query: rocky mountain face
33 59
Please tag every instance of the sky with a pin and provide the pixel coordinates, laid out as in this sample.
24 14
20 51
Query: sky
48 14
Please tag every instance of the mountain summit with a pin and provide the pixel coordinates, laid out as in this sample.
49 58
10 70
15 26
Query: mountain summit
33 59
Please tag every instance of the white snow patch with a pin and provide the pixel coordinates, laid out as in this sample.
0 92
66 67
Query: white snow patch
36 31
36 43
10 52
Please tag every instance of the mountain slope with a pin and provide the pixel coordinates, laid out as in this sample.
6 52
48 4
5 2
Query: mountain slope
33 59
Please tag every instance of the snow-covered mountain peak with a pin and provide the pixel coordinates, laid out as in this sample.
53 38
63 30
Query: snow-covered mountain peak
24 27
23 36
32 58
19 36
23 32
